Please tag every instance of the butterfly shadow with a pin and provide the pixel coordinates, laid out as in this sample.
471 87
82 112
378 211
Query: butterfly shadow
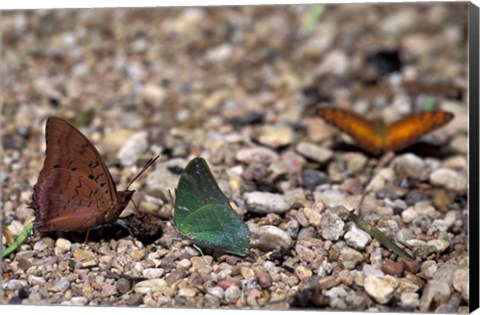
140 226
420 148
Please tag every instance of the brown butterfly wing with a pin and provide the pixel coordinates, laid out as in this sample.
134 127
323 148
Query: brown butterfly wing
69 201
68 149
360 129
406 131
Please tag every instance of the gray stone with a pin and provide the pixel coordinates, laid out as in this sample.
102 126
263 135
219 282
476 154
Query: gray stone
380 289
331 226
314 152
269 237
264 202
449 179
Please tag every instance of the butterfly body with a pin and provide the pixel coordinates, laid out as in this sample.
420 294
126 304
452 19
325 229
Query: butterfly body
203 213
377 137
75 190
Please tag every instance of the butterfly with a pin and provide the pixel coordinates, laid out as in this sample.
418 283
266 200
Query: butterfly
75 190
203 213
376 137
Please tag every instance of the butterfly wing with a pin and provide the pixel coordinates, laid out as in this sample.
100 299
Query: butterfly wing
405 131
360 129
68 149
68 201
219 227
203 212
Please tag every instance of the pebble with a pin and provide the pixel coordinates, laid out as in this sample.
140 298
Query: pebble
264 280
216 291
328 282
62 246
149 286
15 284
161 181
314 152
409 300
311 179
357 238
153 273
380 289
440 245
264 202
114 140
61 285
187 292
379 181
429 268
409 165
302 272
460 280
86 258
349 257
393 268
459 144
276 136
232 294
313 216
132 148
269 237
257 155
356 162
449 179
123 285
371 270
435 293
78 300
331 226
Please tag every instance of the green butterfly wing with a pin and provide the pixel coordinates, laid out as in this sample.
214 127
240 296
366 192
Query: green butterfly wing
203 212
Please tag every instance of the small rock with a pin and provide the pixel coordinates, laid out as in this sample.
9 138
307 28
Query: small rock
78 301
114 140
381 290
264 280
331 226
161 181
393 268
187 292
153 273
232 294
314 152
269 237
440 245
379 181
314 217
228 282
176 275
409 300
349 257
86 258
132 148
15 284
247 272
409 165
357 238
61 285
449 179
216 291
150 286
276 136
429 268
328 282
461 282
62 245
371 270
313 178
257 155
302 272
436 293
356 162
123 285
264 203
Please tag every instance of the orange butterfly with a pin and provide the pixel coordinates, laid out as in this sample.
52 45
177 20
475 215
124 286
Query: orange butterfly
376 137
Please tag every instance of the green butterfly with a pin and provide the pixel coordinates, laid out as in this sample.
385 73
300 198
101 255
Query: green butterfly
203 213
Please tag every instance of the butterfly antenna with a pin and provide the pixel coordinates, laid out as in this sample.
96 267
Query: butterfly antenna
135 205
149 163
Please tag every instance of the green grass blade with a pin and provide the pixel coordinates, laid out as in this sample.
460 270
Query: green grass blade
19 241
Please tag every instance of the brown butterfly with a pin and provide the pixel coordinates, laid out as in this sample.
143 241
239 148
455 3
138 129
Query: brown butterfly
376 137
75 191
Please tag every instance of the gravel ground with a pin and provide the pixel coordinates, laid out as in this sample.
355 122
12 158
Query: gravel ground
239 86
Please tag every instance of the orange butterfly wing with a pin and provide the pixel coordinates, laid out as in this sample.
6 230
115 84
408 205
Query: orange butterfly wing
407 130
360 129
73 174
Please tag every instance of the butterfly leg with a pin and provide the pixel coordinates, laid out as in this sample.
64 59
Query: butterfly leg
124 225
86 236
